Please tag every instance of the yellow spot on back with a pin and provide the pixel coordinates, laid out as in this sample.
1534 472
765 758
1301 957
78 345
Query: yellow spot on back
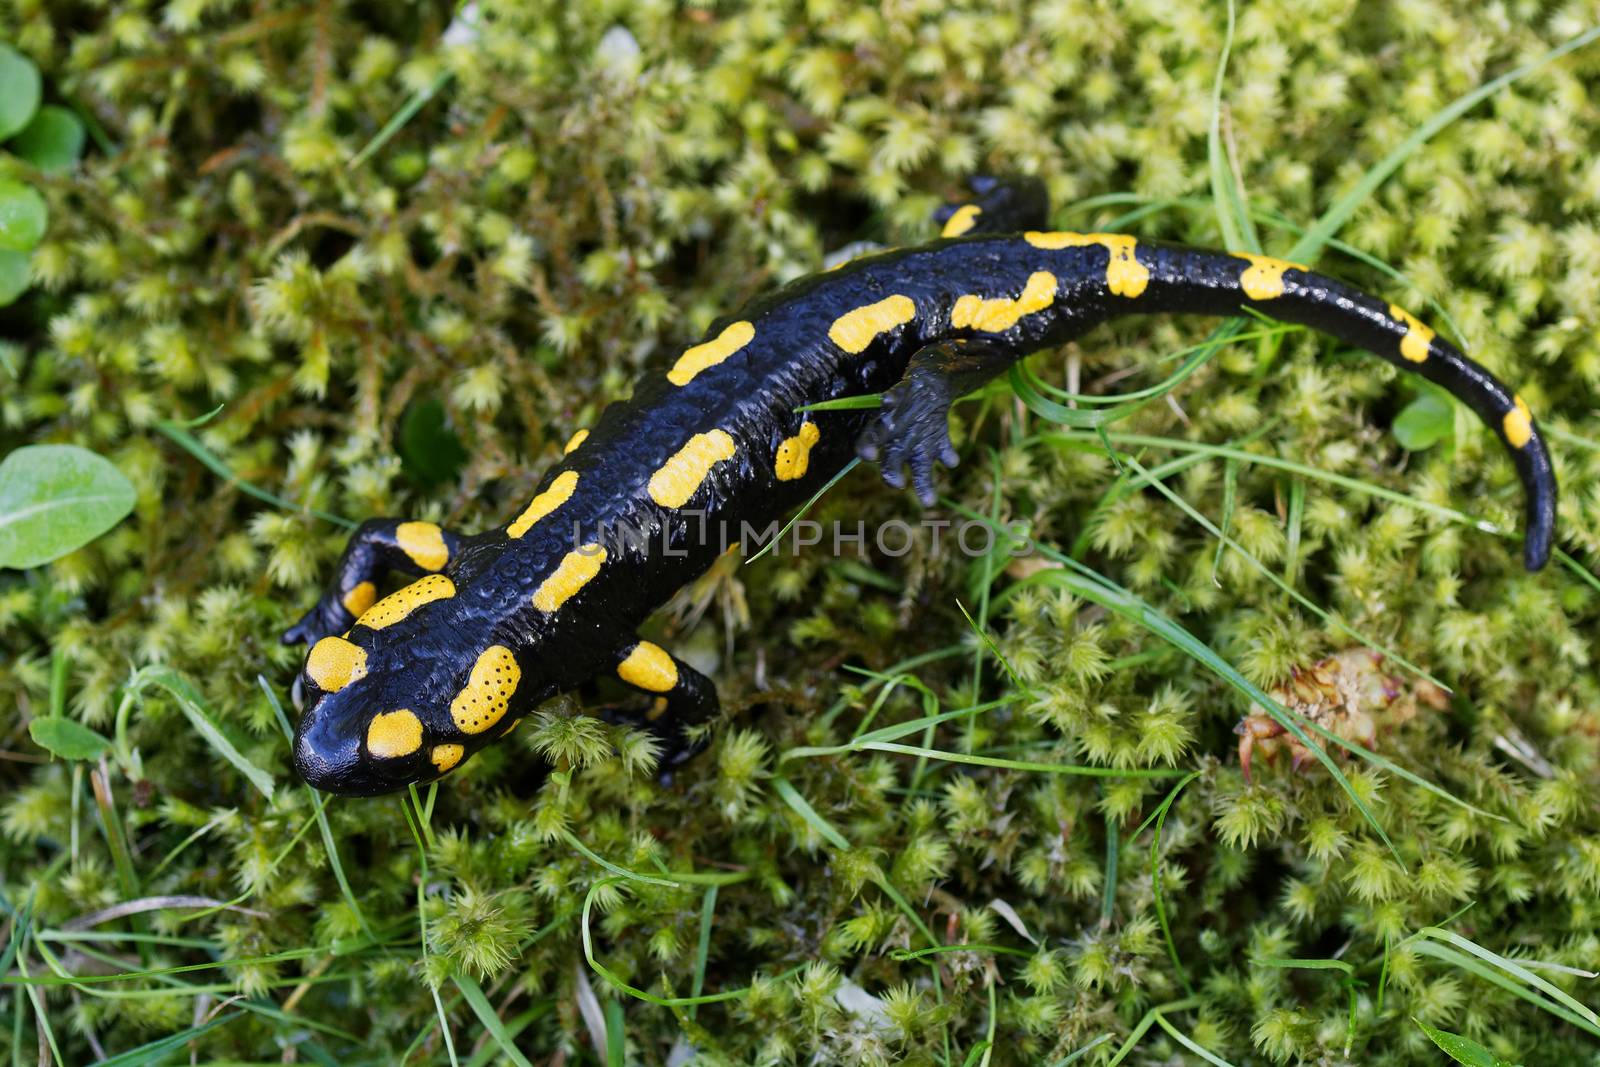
574 572
544 503
1263 278
855 330
1518 423
649 667
963 219
394 734
445 757
794 454
424 543
1002 313
360 598
402 602
574 441
334 663
676 481
482 702
694 360
1125 275
1414 345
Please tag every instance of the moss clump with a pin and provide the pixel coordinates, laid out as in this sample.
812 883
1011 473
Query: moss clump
591 183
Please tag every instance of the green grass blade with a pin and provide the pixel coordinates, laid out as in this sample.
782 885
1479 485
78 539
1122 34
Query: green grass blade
473 994
159 1050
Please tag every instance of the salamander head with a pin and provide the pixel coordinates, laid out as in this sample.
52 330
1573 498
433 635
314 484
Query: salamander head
405 699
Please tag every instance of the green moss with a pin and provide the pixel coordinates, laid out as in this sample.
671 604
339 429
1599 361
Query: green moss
560 208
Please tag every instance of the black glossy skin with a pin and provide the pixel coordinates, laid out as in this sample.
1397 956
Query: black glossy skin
421 662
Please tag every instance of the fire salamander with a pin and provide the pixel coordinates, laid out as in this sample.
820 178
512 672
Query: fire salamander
405 688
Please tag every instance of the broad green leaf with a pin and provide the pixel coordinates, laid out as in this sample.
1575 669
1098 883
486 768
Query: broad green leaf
67 738
1462 1049
19 90
1424 422
23 216
53 141
55 499
13 275
429 450
194 708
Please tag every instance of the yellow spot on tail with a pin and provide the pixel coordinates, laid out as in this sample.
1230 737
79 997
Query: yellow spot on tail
1518 423
394 734
676 481
794 454
696 359
1002 313
1263 278
334 663
424 543
544 503
402 602
1414 345
482 702
445 757
855 330
574 441
575 571
649 667
1125 275
360 598
963 219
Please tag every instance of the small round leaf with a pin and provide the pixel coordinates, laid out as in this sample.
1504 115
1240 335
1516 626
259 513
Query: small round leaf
23 216
53 141
67 738
55 499
19 90
1424 422
13 275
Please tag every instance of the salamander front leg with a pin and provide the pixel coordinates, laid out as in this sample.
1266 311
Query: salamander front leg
377 547
913 426
998 205
681 697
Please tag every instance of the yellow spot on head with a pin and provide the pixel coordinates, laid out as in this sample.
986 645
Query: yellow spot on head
1002 313
402 602
424 543
394 734
1263 278
649 667
512 725
360 598
855 330
1125 275
962 220
482 702
694 360
1414 345
658 708
574 572
1518 423
679 477
794 454
544 503
574 441
334 663
445 757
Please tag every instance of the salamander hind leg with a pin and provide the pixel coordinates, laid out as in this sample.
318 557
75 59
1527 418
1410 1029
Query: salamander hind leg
912 429
377 547
998 205
681 697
